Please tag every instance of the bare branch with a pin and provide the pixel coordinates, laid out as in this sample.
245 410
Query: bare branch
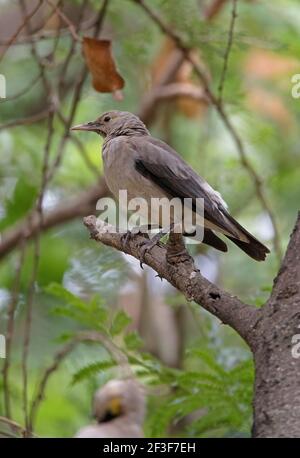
10 327
228 49
50 34
26 19
26 121
24 90
79 206
13 425
166 92
66 20
175 265
76 97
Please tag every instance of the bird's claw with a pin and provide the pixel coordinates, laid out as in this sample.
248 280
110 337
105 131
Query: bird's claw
147 246
125 239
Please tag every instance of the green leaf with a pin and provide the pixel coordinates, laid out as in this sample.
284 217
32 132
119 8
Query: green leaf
207 358
59 291
24 196
120 321
133 341
88 371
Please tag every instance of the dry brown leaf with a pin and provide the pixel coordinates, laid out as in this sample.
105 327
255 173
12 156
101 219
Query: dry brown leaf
100 62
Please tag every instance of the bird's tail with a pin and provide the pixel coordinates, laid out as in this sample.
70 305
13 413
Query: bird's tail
239 236
253 247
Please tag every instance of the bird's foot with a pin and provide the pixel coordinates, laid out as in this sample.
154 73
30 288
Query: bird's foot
148 245
125 239
128 236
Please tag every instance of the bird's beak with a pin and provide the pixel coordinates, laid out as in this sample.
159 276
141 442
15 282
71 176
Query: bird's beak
93 126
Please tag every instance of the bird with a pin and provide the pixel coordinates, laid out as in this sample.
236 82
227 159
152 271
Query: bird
119 408
147 168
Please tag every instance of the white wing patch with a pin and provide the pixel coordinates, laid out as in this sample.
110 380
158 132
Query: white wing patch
215 195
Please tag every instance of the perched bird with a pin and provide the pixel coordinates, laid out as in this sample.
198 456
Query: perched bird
119 408
149 168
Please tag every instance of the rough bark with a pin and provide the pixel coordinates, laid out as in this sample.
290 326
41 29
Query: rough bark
277 382
268 331
179 269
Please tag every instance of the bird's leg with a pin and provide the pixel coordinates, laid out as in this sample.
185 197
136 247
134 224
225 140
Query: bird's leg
125 239
176 249
146 246
129 235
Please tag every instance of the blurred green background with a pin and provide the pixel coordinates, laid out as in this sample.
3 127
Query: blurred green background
198 372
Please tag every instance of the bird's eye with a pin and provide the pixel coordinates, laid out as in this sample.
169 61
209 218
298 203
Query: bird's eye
107 118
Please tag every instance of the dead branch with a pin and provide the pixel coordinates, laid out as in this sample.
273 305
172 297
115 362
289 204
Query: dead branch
173 263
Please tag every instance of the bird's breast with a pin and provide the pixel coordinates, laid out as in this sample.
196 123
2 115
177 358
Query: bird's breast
121 175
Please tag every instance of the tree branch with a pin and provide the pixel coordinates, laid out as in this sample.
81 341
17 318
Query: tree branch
82 205
173 263
167 92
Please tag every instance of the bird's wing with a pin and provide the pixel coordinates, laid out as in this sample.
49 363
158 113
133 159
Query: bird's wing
158 162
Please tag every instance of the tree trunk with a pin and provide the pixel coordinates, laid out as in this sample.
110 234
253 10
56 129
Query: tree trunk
277 384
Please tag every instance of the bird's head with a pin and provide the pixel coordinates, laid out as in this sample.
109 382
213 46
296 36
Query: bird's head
115 123
119 398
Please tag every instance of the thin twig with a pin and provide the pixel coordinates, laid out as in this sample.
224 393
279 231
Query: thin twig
26 19
228 49
14 425
26 121
32 286
66 20
50 34
71 52
76 97
39 210
23 91
10 327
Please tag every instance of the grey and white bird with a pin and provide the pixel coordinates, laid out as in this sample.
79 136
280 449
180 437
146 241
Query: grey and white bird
119 408
146 167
